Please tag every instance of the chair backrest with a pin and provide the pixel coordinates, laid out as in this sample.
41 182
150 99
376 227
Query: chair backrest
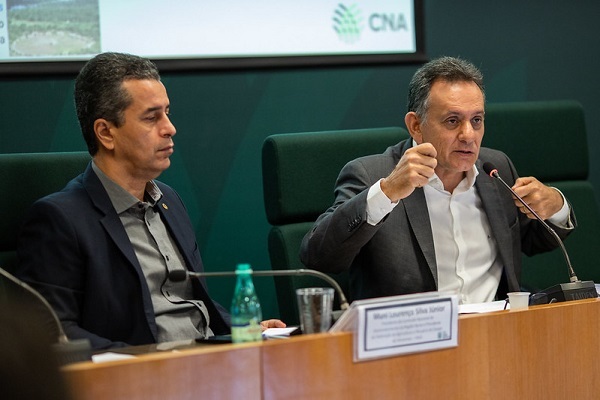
24 178
299 173
547 139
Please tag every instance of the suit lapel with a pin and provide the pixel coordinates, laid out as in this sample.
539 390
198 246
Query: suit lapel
492 204
110 220
415 206
417 214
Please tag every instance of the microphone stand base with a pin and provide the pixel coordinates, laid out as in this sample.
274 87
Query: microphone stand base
565 292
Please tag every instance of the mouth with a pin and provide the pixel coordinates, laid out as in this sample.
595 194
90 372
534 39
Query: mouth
465 152
168 149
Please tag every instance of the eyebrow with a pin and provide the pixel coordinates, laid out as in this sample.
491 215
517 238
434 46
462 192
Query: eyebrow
157 108
454 112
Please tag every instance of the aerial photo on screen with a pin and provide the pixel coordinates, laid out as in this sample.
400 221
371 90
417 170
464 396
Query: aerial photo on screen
39 28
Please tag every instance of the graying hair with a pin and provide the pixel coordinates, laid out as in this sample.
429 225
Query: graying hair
450 69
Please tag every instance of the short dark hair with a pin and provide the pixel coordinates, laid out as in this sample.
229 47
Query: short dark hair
450 69
99 92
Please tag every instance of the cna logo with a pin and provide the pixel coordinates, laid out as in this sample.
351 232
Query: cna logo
347 22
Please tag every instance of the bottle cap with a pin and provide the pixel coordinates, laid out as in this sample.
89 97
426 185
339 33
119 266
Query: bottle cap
243 269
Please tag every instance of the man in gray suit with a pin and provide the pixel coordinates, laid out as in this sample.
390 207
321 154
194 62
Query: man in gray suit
423 216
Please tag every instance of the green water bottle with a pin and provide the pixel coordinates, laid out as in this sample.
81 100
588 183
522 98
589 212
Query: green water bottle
245 308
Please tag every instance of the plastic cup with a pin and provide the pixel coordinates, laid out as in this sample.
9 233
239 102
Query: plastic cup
315 308
518 300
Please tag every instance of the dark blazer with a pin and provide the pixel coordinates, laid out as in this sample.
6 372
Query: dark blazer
75 251
397 255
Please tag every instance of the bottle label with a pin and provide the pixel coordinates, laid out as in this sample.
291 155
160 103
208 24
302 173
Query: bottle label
250 332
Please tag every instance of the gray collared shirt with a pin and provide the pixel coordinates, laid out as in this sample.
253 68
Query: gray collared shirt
178 316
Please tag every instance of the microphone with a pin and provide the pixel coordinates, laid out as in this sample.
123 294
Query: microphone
67 350
575 289
180 275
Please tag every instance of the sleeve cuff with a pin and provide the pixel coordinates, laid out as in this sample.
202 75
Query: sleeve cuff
378 204
562 218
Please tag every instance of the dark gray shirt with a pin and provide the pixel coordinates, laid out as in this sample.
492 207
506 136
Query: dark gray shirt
178 316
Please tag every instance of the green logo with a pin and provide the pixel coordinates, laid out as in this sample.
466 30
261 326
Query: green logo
347 22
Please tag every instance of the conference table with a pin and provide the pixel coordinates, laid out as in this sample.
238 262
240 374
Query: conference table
544 352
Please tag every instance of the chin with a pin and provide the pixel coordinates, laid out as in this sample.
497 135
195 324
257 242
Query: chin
163 166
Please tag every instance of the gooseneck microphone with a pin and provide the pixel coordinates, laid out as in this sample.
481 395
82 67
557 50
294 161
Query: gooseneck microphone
67 351
493 172
180 275
574 290
62 338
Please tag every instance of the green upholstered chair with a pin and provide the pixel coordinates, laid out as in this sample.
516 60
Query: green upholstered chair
24 178
548 140
299 173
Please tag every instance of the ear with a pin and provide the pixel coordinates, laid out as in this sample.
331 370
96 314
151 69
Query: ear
103 130
413 124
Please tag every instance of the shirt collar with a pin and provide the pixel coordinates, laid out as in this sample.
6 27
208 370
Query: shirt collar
120 198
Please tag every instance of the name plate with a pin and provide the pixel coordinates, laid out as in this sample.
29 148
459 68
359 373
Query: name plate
392 326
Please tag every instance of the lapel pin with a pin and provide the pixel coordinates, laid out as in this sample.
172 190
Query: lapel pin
165 206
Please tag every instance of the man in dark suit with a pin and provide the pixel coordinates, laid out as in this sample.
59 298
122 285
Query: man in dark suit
101 249
423 216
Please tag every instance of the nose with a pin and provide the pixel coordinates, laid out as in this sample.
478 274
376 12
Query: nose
467 132
168 129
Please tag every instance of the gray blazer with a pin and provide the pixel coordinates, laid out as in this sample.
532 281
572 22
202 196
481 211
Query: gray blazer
397 255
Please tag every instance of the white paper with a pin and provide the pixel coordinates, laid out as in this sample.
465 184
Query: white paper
110 356
483 307
277 333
